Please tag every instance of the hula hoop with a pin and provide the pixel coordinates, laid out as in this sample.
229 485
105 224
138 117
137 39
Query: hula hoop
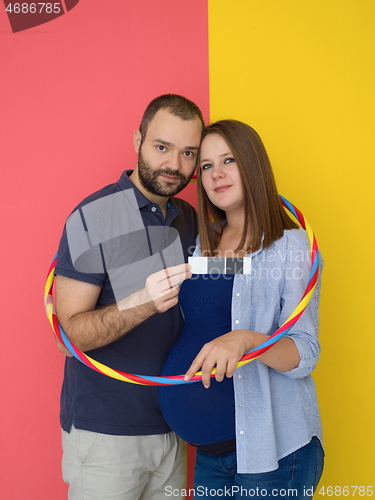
179 379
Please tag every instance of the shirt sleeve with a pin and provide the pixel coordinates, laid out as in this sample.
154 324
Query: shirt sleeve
78 262
304 332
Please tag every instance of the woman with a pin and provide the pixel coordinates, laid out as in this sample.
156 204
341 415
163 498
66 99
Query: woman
257 429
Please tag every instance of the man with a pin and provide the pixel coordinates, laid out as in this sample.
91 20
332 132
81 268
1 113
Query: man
116 299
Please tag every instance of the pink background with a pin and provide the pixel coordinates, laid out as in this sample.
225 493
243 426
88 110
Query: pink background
72 92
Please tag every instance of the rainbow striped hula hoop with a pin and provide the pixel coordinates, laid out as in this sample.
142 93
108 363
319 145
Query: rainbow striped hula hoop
179 379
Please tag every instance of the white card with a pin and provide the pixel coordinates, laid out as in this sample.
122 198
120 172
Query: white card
220 265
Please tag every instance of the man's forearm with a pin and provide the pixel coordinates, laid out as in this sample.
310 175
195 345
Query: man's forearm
93 329
90 328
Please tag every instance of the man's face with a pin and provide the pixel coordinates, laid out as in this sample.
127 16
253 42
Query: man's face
168 154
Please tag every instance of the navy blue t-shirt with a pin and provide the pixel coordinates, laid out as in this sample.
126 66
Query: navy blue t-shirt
199 415
95 402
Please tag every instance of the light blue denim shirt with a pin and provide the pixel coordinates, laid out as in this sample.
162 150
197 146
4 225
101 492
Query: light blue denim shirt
276 413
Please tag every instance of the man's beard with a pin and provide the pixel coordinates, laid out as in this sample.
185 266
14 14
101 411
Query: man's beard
149 179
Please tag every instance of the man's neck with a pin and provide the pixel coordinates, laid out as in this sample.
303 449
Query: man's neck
154 198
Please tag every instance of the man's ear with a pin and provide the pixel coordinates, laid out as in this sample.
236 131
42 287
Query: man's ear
137 138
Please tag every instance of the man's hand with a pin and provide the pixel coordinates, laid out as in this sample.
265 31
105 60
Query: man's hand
160 292
162 288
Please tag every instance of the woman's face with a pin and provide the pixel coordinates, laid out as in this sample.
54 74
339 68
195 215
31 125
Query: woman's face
220 175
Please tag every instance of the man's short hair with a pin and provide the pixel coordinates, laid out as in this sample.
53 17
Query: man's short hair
176 104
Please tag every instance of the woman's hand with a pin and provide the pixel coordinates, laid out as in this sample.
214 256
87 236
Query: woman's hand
222 353
225 352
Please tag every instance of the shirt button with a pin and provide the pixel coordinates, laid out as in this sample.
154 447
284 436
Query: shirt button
240 405
238 294
237 321
153 209
239 376
241 432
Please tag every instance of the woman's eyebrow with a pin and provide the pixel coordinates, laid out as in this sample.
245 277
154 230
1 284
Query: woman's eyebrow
220 156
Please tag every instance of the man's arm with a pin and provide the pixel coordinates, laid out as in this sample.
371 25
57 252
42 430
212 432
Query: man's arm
90 328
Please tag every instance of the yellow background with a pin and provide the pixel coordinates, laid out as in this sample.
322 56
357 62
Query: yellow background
302 74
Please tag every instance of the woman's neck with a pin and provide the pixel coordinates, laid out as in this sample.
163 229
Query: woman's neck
231 236
235 222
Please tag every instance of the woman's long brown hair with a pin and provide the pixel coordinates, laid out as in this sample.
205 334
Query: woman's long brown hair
265 218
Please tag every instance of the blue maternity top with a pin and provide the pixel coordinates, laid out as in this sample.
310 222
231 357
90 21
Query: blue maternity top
199 415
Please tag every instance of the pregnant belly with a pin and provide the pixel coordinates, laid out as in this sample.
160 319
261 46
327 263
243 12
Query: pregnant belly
198 415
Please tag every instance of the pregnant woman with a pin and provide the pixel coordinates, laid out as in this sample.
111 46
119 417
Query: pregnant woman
257 428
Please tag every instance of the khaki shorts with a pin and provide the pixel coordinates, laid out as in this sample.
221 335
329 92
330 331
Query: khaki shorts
104 467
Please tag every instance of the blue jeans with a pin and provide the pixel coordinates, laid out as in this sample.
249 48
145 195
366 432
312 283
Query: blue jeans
296 478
